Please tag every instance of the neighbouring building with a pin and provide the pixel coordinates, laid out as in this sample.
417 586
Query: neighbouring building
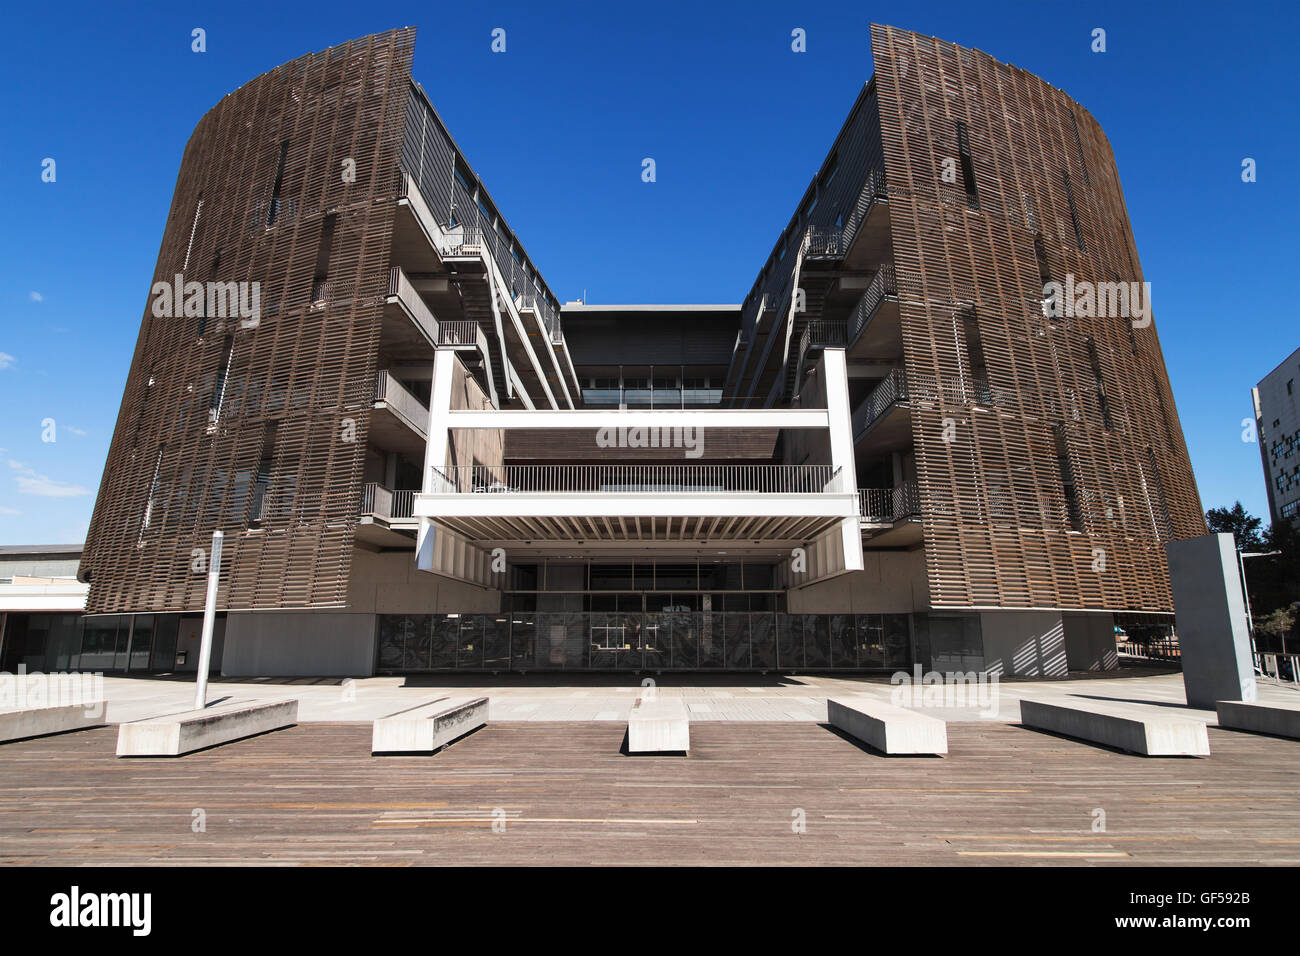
1277 428
937 430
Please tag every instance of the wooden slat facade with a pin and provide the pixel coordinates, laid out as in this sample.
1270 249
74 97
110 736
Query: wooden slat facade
997 528
306 369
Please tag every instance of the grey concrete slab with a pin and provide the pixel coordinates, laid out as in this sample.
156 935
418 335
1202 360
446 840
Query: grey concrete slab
21 723
887 728
1278 719
658 725
172 735
428 727
1139 730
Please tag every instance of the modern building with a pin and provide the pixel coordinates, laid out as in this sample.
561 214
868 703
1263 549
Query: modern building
41 603
905 446
1277 428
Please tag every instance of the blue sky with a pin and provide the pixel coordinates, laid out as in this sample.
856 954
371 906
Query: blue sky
558 126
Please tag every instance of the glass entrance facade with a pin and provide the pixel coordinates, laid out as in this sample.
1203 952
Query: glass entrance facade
642 641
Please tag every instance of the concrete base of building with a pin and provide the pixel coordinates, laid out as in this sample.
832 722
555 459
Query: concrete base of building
1279 720
1136 729
887 728
658 725
172 735
428 727
40 721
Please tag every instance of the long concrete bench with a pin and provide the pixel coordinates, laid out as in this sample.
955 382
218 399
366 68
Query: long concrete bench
1278 719
172 735
887 727
428 727
1137 729
39 721
658 725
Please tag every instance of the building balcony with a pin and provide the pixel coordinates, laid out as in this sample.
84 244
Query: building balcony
890 517
863 241
883 421
874 329
638 505
387 517
399 419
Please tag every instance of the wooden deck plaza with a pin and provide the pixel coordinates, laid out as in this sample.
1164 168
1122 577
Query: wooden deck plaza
564 794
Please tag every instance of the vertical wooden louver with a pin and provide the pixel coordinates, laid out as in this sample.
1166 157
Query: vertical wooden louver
1092 389
203 392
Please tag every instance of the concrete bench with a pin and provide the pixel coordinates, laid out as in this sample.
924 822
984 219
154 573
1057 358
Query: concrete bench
887 727
186 731
658 725
428 727
1278 719
1137 729
39 721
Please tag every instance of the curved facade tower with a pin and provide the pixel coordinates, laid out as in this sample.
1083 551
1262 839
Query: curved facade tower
211 399
937 431
1063 467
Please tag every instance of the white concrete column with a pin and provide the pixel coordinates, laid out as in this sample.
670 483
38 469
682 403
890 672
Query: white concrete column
435 451
840 415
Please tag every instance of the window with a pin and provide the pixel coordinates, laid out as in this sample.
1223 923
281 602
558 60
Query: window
979 372
258 509
219 387
1066 469
1074 212
1290 383
198 211
1095 361
274 210
967 166
320 283
464 181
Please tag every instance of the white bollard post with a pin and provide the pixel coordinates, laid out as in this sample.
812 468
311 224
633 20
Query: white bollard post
209 620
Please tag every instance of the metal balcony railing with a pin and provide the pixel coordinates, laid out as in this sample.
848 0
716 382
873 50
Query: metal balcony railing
396 396
823 242
873 191
891 390
887 505
380 502
635 479
459 332
883 285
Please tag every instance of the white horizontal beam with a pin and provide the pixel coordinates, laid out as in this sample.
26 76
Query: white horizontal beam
639 418
637 505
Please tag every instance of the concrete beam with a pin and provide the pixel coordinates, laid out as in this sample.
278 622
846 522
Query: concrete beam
1279 720
1136 729
658 725
886 727
640 418
39 721
428 727
172 735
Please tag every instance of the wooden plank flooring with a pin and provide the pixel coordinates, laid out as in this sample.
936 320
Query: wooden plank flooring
312 794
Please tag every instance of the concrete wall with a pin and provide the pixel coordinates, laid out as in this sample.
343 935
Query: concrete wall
891 582
388 582
1024 643
189 639
299 644
1090 642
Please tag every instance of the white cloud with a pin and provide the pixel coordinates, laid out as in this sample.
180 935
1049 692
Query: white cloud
36 296
6 510
32 483
79 432
6 360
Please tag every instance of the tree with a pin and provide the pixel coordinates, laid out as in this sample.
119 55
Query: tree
1238 522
